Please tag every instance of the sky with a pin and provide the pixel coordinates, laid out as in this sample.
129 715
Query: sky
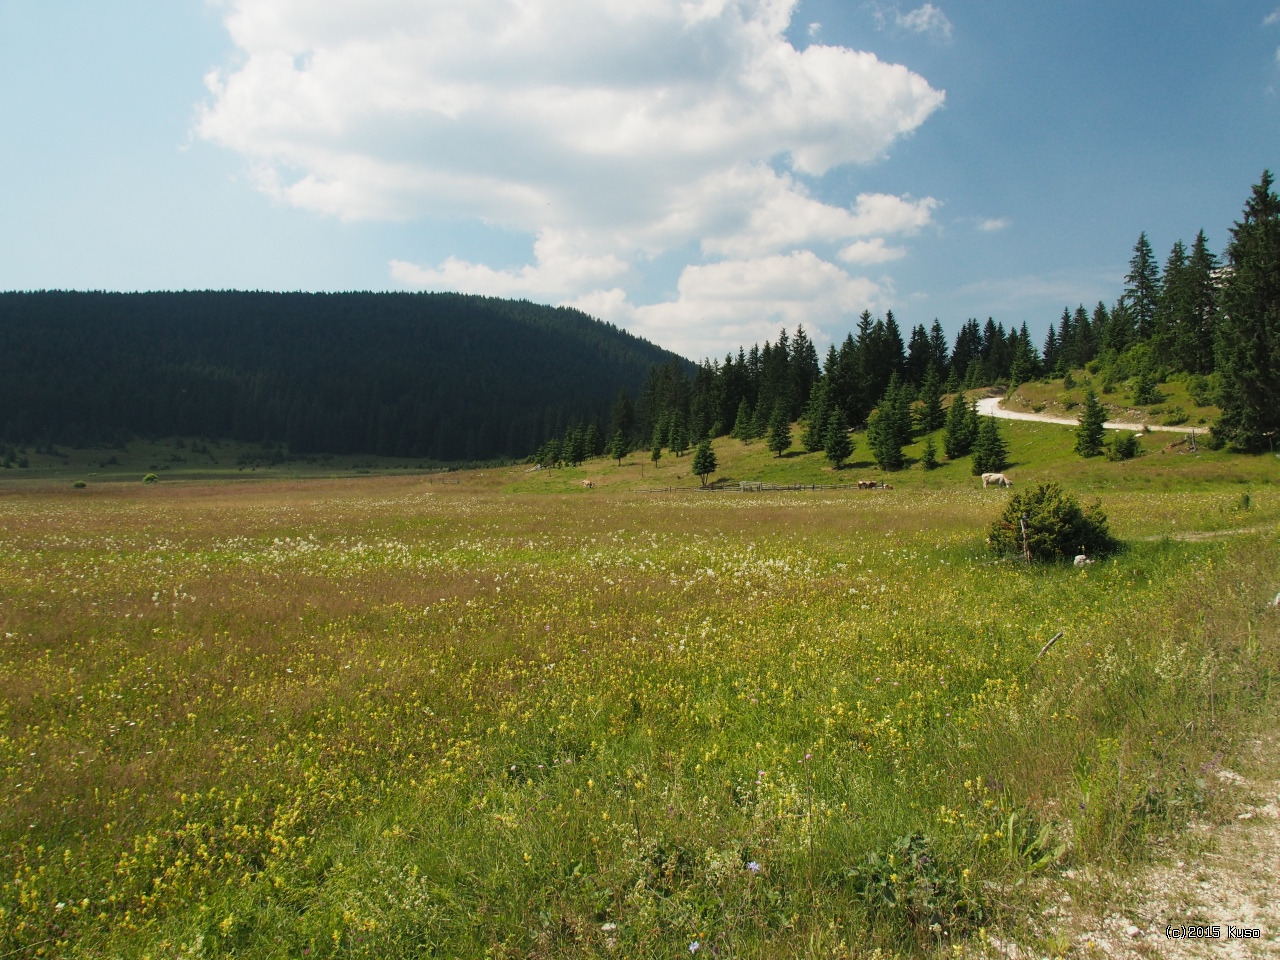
699 172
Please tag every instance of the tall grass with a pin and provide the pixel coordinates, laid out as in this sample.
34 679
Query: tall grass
380 718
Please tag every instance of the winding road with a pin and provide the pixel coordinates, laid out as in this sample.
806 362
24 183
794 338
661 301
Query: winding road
990 407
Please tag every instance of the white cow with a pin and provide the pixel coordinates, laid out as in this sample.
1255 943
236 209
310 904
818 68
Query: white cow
1082 560
996 479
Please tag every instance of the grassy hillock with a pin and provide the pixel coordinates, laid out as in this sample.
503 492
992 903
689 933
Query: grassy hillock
1181 401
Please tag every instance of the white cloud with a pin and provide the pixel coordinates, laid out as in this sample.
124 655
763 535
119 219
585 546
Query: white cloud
927 19
871 251
613 131
993 224
1272 18
732 302
814 30
560 270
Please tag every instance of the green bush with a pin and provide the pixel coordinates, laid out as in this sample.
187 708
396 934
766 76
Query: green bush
1203 390
150 478
79 484
1057 528
1123 446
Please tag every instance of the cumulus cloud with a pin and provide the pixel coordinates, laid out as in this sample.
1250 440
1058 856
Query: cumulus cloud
1272 18
732 302
994 224
613 131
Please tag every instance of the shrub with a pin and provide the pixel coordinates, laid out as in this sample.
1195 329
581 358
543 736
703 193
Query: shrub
1123 446
150 478
79 485
1175 416
1057 528
1203 390
1144 390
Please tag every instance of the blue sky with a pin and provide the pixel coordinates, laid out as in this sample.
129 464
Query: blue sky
698 171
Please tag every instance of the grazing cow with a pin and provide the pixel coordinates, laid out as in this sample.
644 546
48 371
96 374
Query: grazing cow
588 484
886 486
1082 560
866 484
996 479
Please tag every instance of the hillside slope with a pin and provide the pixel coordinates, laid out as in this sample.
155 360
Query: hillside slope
444 376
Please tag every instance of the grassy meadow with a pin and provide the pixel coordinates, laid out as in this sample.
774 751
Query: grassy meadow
512 717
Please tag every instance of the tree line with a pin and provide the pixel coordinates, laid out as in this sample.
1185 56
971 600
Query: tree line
1215 321
444 377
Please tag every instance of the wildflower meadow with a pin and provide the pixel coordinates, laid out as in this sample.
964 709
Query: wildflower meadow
376 717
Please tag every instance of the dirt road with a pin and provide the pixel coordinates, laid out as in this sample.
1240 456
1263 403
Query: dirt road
990 407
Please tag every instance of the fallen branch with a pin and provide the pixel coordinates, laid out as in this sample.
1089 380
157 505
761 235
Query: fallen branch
1045 649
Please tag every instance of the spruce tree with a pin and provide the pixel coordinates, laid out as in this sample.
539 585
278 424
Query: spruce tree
929 457
1089 433
704 461
837 442
989 452
956 443
1194 343
932 416
1144 390
971 425
780 429
595 440
817 414
742 422
1142 287
887 433
656 453
619 447
1249 328
575 446
679 436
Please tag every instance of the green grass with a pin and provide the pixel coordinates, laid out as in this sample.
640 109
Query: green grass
1052 398
191 458
513 717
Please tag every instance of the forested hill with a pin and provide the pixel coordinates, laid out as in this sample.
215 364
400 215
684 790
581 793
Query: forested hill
440 376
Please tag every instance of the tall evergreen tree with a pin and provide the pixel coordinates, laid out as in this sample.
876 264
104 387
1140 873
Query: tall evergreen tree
989 452
619 447
816 416
780 429
595 440
938 348
679 439
1120 328
889 429
957 441
1174 302
1249 328
837 442
1090 432
742 422
704 461
932 416
1194 337
918 355
1142 287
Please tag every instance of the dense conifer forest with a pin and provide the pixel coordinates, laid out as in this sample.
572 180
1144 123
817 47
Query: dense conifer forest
452 377
439 376
1213 322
